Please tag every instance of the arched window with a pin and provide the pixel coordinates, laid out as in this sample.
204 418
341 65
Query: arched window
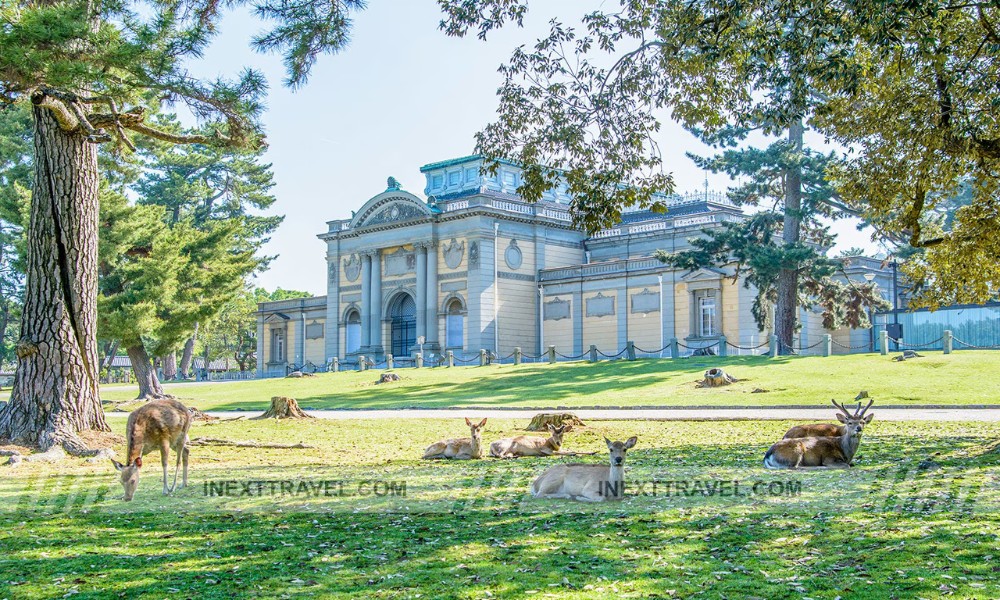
403 315
353 331
455 324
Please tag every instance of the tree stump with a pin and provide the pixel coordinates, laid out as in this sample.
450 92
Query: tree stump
284 408
295 374
541 421
387 377
716 377
704 352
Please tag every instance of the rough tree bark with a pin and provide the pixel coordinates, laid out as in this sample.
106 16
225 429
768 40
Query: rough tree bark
170 365
283 408
55 393
541 421
787 305
145 374
188 355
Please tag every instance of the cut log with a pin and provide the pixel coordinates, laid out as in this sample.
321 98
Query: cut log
541 421
716 377
284 408
207 441
387 377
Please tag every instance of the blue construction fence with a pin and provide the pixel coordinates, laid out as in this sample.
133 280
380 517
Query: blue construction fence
971 327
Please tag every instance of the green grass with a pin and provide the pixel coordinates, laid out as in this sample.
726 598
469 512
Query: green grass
916 518
955 379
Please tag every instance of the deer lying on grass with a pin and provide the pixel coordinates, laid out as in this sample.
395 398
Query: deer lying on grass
823 429
825 451
586 482
525 445
460 448
159 424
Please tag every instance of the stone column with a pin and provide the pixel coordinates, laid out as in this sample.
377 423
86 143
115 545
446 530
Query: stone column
421 250
260 346
366 294
376 301
432 324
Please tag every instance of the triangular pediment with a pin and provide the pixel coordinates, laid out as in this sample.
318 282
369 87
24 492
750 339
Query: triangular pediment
389 207
703 274
276 318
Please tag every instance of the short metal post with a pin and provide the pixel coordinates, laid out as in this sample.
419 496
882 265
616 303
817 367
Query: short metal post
482 357
674 348
827 344
451 358
630 350
552 355
593 353
335 364
389 363
723 342
420 359
948 341
883 342
517 355
362 363
772 351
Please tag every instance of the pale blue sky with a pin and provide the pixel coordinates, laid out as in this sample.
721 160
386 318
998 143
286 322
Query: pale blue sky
402 95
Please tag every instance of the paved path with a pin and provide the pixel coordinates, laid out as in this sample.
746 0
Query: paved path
883 413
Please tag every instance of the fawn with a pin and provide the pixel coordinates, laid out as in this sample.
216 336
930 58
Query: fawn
459 448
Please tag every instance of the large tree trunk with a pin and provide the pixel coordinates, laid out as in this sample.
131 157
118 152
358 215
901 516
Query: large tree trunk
55 392
170 365
188 355
786 308
145 374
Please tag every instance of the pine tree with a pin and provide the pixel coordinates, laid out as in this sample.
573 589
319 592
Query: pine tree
92 70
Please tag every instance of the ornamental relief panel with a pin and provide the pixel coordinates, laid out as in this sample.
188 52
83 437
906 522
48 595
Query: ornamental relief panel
352 267
453 252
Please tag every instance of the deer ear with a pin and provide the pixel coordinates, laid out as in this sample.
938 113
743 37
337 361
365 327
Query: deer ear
468 422
550 427
608 442
868 418
118 465
567 428
138 462
482 423
841 418
631 442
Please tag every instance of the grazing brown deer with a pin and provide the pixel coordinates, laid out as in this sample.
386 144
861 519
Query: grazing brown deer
826 451
159 424
586 482
459 448
524 445
822 429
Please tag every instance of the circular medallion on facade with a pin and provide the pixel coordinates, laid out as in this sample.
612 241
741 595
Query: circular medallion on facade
513 256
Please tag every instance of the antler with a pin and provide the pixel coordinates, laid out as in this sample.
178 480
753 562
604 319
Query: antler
846 412
865 409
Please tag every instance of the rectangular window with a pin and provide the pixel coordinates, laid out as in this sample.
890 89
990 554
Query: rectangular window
278 345
706 315
455 334
353 337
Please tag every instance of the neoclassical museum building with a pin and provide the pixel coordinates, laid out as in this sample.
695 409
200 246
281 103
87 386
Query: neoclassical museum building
472 266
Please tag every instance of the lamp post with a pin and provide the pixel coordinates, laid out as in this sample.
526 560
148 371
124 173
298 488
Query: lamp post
869 277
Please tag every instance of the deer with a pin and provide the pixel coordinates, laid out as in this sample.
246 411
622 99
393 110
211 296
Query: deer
821 429
586 482
460 448
524 445
825 451
161 424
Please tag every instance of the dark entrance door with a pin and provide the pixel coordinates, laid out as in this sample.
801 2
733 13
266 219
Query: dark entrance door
403 315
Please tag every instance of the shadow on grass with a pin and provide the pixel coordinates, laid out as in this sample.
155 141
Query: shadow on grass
535 385
903 545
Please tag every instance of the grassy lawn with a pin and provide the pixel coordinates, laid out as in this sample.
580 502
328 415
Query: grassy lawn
917 517
955 379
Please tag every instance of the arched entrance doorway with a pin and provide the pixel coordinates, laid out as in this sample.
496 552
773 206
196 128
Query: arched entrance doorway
403 319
